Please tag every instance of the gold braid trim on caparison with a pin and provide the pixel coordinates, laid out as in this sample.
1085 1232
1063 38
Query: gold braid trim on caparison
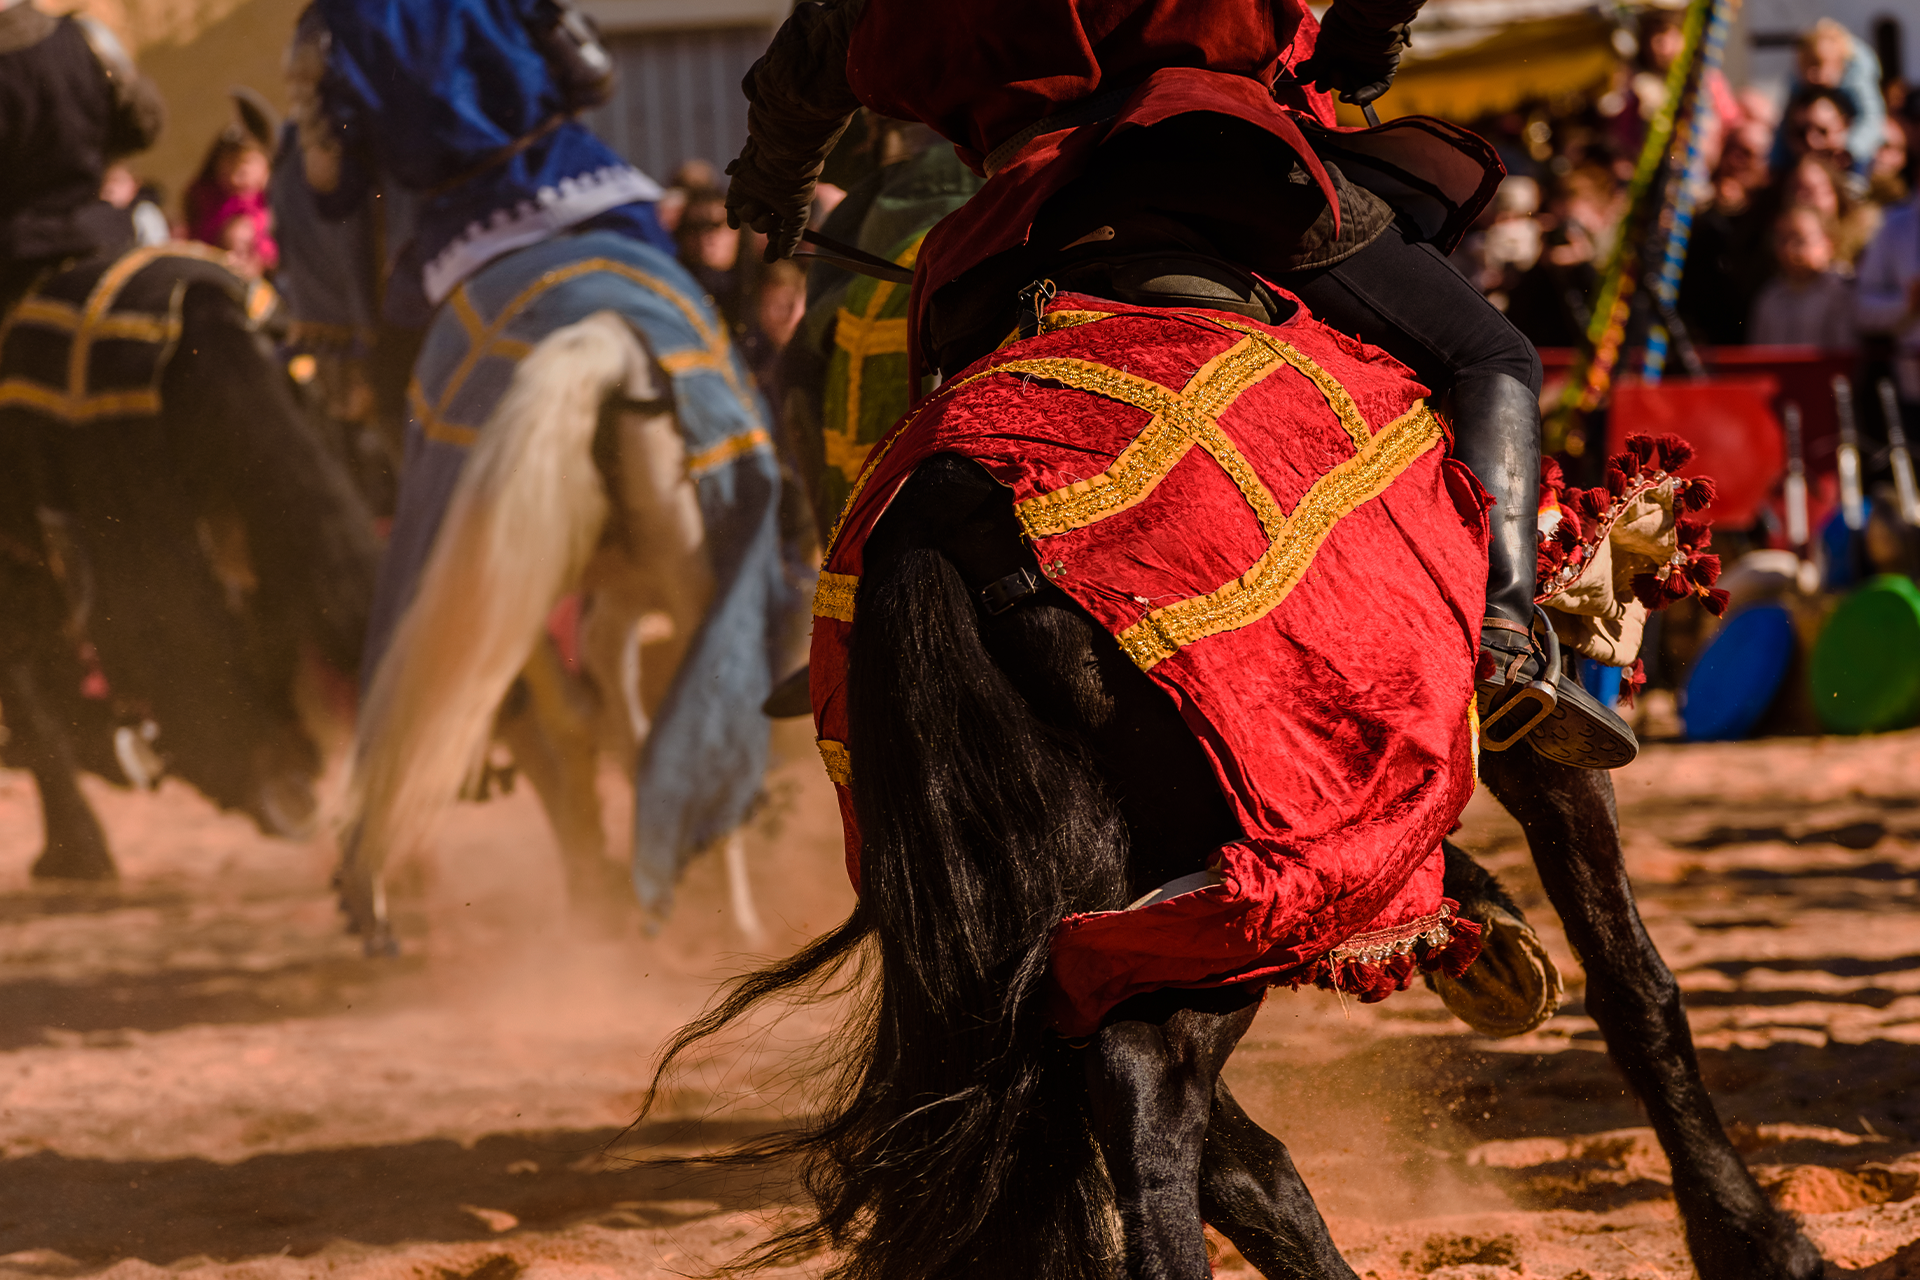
1054 321
1250 597
834 756
833 598
716 456
1331 391
1180 420
488 338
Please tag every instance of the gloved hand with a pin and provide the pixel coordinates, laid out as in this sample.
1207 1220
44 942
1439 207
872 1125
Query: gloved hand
798 105
773 194
1356 60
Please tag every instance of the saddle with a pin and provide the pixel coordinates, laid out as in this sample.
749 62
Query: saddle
90 341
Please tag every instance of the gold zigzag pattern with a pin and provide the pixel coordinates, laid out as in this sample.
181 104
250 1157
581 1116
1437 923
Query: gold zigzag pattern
1256 593
1181 421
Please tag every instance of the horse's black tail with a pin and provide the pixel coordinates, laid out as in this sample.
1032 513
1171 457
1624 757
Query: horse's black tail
956 1143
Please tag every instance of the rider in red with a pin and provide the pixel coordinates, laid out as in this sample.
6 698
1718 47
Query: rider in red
1185 153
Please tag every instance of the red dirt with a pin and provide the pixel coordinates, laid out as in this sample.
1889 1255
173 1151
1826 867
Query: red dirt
200 1076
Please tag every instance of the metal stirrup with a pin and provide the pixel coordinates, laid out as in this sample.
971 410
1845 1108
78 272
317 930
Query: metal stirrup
1537 697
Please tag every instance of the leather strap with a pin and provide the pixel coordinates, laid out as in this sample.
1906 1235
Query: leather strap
494 159
998 597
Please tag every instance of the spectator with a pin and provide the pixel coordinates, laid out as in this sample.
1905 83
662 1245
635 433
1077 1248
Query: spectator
782 301
1743 166
1553 301
1660 40
710 251
1506 243
691 176
1888 297
1886 180
227 203
1834 59
1817 123
119 188
1816 183
1808 303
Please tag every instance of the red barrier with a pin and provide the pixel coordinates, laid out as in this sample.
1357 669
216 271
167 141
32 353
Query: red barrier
1730 423
1719 416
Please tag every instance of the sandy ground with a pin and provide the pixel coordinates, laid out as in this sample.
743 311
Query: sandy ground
199 1075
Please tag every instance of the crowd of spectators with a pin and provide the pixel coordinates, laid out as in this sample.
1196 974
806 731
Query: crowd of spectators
1805 229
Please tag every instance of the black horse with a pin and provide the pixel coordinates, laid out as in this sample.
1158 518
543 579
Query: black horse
167 511
1017 767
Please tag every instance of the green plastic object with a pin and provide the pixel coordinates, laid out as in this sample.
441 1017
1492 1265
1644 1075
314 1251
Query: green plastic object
1865 675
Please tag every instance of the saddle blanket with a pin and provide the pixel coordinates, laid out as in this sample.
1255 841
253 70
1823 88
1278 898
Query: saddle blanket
1266 519
91 341
703 761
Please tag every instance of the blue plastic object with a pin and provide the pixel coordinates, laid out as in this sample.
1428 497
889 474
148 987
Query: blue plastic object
1736 679
1600 680
1846 551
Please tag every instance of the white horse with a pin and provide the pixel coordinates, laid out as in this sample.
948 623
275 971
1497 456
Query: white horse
580 481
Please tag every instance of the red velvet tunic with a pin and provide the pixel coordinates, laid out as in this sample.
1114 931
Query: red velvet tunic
1266 519
986 74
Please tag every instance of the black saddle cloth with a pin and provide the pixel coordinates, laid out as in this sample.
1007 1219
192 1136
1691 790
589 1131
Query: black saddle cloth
90 342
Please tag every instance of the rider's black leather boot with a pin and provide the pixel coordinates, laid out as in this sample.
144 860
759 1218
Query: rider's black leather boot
1497 436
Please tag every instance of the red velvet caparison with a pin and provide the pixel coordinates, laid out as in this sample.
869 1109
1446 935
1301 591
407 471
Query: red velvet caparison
1266 519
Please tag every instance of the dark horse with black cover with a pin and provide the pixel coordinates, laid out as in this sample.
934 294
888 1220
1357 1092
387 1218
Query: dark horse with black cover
168 517
1015 768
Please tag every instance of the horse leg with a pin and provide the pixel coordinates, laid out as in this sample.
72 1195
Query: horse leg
1568 814
1250 1192
660 546
76 847
165 633
548 724
1151 1076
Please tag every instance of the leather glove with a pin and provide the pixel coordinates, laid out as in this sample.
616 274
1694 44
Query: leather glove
772 191
1356 60
798 105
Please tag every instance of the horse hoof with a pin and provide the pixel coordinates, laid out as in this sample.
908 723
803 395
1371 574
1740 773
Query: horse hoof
380 944
285 807
1512 987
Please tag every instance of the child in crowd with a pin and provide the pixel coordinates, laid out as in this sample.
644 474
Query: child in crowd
1831 57
227 203
1818 183
1808 303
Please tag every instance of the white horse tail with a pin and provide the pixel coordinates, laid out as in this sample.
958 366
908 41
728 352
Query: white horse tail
525 517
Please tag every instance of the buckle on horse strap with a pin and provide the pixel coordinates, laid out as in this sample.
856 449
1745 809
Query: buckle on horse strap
1514 718
998 597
